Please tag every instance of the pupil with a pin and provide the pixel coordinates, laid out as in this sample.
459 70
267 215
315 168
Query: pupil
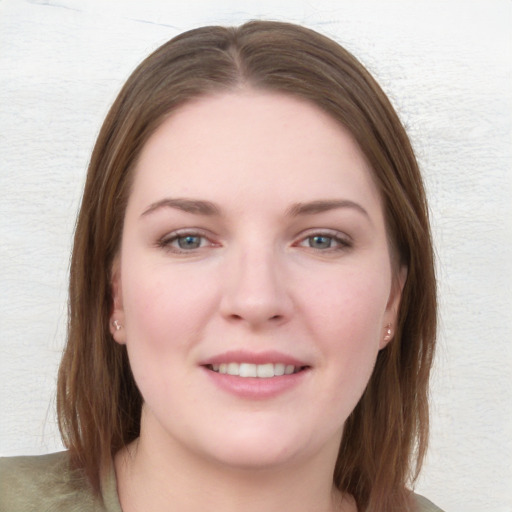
189 242
320 242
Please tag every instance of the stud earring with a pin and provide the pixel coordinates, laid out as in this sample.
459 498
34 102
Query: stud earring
117 325
387 336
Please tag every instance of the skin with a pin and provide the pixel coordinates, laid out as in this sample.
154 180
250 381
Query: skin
293 257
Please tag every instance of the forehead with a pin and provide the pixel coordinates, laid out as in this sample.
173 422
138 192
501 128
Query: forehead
254 143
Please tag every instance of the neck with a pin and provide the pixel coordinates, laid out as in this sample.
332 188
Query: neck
168 478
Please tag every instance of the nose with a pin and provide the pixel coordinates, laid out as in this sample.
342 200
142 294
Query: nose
255 290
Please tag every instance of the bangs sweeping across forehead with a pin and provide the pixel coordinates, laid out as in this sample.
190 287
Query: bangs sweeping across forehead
99 405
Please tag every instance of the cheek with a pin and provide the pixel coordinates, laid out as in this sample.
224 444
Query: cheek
345 317
163 315
349 306
165 306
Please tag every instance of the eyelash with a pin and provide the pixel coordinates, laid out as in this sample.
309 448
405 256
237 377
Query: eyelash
342 242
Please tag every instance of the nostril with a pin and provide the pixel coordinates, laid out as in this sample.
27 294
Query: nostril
236 317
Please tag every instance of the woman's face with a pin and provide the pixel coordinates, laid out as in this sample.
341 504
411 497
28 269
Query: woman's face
254 282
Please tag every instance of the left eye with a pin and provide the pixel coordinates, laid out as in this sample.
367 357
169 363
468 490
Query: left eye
320 241
323 241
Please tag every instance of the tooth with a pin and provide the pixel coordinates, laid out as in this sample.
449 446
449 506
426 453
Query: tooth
247 370
233 369
289 369
279 369
265 370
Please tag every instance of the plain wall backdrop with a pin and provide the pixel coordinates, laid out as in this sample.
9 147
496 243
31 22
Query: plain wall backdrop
447 68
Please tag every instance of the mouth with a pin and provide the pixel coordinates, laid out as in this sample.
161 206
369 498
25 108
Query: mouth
262 371
256 375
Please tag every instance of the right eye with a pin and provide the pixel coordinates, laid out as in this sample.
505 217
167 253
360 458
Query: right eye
183 242
188 242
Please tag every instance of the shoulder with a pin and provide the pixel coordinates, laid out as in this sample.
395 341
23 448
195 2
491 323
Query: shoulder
44 483
424 505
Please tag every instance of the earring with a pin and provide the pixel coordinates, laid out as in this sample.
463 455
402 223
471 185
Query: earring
117 325
387 336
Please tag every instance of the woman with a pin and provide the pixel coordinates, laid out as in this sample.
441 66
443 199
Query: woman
252 306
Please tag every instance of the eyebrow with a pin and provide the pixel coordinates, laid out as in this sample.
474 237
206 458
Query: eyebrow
195 206
201 207
320 206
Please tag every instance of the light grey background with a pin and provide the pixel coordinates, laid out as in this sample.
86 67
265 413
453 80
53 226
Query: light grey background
446 66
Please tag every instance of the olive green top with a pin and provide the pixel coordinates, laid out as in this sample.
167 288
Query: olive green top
47 484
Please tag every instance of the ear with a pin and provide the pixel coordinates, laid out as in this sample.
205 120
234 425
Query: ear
117 316
393 306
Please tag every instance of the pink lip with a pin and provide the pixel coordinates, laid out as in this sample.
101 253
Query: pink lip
241 356
252 388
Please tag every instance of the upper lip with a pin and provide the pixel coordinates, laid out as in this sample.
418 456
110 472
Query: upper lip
243 356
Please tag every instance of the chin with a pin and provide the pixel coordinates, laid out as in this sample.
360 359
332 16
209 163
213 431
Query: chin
255 457
260 448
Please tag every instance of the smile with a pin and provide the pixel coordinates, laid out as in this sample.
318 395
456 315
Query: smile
262 371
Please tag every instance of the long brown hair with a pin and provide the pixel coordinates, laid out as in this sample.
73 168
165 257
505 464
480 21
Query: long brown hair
99 405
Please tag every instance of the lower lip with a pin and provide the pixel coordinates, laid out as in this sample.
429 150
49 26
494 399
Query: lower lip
254 388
